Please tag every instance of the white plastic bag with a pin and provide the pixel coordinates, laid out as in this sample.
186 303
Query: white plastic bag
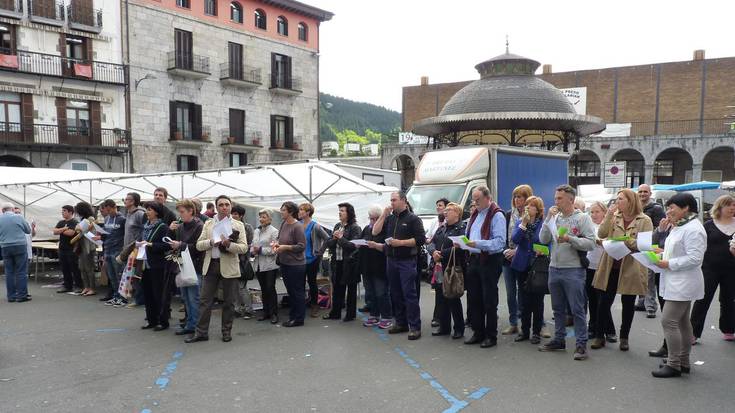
187 276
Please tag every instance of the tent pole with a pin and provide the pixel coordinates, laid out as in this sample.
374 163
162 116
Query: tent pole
90 192
310 178
182 187
290 184
24 201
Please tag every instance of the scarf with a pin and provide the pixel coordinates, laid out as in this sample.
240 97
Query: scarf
686 219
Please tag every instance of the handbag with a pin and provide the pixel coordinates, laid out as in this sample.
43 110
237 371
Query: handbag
537 281
453 283
187 276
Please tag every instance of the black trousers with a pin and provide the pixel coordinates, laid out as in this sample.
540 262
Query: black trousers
532 316
339 288
448 309
481 281
311 272
593 297
604 313
70 269
725 278
267 281
157 297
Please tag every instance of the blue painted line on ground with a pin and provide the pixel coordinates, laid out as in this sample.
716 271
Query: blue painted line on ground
455 404
111 330
165 378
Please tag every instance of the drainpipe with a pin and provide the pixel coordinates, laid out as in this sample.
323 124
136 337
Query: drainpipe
128 110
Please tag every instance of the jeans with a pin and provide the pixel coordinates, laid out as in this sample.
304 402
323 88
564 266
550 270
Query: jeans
70 268
380 304
312 269
268 294
402 275
566 286
114 272
293 277
481 281
15 259
513 289
190 296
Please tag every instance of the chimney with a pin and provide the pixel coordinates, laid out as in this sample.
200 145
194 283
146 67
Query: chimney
546 69
424 80
699 54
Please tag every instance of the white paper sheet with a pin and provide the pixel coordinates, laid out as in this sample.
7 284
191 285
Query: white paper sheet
645 241
615 249
84 225
141 250
641 257
359 242
90 236
100 230
462 245
222 228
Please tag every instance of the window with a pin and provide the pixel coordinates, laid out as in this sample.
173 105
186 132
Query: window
187 163
281 132
260 21
7 39
237 125
282 26
184 3
664 167
238 159
79 166
210 7
280 71
10 112
77 117
184 45
236 12
186 121
303 32
235 62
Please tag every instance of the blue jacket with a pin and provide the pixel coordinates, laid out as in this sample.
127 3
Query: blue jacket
13 229
524 241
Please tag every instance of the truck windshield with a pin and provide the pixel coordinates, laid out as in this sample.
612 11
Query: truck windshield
423 198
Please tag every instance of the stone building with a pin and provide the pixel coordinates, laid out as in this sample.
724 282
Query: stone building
218 83
62 85
668 121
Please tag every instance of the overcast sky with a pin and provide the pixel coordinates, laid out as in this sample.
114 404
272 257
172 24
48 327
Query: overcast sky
371 49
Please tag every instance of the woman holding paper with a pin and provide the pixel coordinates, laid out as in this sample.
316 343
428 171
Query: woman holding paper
623 223
87 247
525 235
718 269
681 281
155 286
345 264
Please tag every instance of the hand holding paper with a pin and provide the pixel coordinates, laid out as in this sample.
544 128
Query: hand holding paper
615 249
462 241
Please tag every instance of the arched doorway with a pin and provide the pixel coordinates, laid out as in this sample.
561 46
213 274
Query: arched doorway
672 166
719 164
406 165
635 171
584 168
15 161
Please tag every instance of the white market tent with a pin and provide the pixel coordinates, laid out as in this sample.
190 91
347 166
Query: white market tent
42 192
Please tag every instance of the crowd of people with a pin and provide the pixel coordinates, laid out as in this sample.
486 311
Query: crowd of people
559 251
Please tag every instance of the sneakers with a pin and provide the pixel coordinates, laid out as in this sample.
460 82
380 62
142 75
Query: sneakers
611 338
545 332
651 314
371 322
553 345
385 324
398 329
510 330
414 334
580 353
597 343
111 302
120 303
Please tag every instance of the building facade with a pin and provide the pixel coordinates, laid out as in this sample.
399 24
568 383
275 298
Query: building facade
668 121
219 83
62 85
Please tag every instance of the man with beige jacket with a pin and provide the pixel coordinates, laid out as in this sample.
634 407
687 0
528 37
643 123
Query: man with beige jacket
223 239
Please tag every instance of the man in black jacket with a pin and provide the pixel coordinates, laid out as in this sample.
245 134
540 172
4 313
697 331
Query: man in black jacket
404 235
656 212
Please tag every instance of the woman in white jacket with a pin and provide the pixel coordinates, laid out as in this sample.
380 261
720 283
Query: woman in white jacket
681 281
264 265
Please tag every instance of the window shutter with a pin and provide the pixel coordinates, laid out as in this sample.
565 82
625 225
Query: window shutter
61 119
273 131
95 114
196 124
62 44
172 119
90 52
274 70
26 116
178 163
289 133
289 79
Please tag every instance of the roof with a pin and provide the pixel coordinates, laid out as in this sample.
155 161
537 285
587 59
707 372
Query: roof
301 8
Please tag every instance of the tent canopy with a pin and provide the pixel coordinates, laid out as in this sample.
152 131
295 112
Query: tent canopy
42 192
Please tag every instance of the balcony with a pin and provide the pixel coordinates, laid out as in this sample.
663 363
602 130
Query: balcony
285 85
245 77
11 8
188 65
287 146
16 134
46 12
192 138
252 142
57 66
84 18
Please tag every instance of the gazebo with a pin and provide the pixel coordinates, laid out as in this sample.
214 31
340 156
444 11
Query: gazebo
509 105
